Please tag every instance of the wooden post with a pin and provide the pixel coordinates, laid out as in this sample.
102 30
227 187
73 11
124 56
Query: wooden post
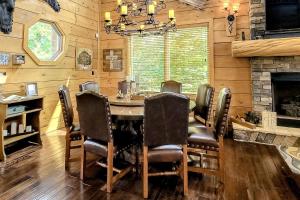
3 109
67 153
83 160
109 167
185 171
145 172
221 159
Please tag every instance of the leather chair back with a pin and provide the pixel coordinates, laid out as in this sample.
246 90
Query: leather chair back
89 86
94 116
66 105
204 101
222 108
171 86
166 119
122 85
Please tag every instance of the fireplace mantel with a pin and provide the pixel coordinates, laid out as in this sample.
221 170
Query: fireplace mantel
266 47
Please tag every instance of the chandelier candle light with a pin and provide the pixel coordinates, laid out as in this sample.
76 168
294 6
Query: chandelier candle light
146 24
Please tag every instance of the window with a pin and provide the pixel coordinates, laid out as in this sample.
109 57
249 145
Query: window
189 57
147 59
44 41
181 56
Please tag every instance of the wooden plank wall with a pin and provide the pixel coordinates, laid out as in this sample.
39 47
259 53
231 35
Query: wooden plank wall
80 19
228 71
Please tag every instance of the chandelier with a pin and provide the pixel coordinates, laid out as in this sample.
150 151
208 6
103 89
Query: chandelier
145 24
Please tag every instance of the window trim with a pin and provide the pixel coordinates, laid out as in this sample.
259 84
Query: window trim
211 69
64 41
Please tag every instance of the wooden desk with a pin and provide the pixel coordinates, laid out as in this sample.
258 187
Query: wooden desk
30 116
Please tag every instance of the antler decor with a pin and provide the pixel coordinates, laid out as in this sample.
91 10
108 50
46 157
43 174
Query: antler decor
6 13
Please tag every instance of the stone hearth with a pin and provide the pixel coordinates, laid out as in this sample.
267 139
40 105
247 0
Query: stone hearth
284 136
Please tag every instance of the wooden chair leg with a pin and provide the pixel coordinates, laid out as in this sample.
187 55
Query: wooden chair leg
67 154
185 171
83 162
145 172
109 167
221 165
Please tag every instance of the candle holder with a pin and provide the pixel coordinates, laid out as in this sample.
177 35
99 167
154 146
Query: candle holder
139 8
231 15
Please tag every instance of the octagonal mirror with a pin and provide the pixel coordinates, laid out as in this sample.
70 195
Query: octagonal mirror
44 41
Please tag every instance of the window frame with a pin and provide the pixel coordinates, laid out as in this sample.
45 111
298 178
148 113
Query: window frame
64 41
210 44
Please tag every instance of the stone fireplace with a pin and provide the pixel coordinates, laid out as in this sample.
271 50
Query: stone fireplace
271 78
275 76
286 94
270 74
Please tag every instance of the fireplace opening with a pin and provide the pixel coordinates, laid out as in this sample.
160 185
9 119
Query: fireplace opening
286 98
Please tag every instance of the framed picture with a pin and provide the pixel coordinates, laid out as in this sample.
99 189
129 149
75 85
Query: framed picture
31 89
84 58
4 59
112 60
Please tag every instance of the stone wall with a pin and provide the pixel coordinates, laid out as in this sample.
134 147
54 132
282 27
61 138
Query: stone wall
262 67
257 18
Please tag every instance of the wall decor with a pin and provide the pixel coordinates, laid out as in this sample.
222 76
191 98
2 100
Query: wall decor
54 4
18 59
4 59
84 58
6 15
112 60
31 89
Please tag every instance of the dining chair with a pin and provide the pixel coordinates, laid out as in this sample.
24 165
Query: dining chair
99 137
90 86
204 102
208 141
165 136
124 86
72 129
171 86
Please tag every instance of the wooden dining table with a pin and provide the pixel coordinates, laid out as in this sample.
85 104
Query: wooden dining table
132 109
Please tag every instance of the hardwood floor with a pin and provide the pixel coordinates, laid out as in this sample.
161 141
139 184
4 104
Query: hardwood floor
252 172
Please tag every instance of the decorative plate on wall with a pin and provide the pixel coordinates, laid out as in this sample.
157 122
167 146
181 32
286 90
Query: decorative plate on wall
112 60
84 59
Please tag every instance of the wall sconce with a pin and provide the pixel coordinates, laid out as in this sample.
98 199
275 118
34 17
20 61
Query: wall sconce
231 15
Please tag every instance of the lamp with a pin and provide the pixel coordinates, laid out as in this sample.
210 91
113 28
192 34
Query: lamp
231 15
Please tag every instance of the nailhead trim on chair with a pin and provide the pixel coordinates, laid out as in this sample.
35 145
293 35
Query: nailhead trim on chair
74 136
210 148
107 105
210 105
64 112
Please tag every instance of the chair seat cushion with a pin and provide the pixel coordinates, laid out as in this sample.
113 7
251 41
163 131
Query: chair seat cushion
95 146
201 137
122 142
194 122
165 153
75 133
